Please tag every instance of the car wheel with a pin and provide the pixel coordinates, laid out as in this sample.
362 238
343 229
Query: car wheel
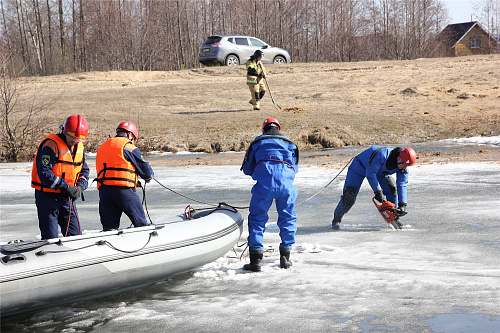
279 60
232 60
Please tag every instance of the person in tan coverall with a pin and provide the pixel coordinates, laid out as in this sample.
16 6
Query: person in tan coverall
255 74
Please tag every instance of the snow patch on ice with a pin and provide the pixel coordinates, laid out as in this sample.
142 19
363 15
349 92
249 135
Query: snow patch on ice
479 140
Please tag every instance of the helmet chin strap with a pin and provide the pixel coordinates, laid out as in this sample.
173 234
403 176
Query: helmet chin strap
131 137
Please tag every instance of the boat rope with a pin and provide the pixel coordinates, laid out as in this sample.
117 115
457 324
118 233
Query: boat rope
105 242
184 196
236 254
315 194
331 181
235 207
99 243
188 211
144 201
69 217
42 253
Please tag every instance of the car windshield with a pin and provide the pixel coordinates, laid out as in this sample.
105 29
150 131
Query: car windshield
256 42
212 40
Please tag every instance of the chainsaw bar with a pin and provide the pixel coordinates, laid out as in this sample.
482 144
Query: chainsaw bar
396 224
389 212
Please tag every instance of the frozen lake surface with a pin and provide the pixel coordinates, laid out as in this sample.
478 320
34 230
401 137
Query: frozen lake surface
439 274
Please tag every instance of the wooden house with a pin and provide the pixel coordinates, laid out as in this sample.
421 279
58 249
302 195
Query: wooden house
463 39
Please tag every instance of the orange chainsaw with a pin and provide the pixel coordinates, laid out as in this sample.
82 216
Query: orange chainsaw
389 212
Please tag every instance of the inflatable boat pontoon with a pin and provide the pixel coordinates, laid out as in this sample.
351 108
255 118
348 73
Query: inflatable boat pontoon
39 274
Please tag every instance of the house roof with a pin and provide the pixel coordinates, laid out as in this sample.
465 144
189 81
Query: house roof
453 33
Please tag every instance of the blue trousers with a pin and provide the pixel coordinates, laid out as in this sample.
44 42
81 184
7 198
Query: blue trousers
115 200
55 209
354 179
262 199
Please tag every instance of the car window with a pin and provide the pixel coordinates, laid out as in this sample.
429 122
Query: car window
230 40
241 41
212 40
256 42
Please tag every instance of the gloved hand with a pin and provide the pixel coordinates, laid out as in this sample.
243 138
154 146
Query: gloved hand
379 196
402 209
74 191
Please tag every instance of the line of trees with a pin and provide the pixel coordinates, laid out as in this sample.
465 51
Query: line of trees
61 36
489 13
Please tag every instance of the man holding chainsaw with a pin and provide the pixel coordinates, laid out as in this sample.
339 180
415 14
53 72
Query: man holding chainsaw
377 164
272 160
255 75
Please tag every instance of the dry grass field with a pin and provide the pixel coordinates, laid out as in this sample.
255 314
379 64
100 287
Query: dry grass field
323 104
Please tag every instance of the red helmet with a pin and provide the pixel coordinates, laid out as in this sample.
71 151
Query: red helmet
408 156
129 127
76 127
271 121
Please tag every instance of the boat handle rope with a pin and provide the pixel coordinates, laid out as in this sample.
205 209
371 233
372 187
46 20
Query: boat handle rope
99 243
188 211
105 242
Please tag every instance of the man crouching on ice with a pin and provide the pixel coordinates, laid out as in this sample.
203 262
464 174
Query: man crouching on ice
376 164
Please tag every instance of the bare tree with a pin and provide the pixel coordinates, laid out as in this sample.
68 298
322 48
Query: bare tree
23 115
490 14
62 43
166 35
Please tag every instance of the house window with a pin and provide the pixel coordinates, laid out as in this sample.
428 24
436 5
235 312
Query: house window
475 43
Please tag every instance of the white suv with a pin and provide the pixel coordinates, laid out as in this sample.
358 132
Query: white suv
235 50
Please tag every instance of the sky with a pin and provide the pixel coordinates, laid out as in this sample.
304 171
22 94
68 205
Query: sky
461 10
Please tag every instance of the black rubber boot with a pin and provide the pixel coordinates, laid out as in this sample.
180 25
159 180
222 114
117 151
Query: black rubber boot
255 259
285 258
262 93
336 222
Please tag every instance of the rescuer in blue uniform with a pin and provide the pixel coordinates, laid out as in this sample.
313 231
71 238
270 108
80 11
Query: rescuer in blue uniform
377 164
272 160
59 176
119 163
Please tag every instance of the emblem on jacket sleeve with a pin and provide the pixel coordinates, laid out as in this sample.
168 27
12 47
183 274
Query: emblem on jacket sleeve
45 160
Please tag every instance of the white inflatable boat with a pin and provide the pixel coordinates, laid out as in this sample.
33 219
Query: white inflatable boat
39 274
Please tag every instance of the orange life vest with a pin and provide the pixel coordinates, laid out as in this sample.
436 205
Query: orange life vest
65 167
112 167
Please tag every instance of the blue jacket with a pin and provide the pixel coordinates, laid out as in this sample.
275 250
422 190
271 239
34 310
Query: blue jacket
269 154
377 168
142 168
